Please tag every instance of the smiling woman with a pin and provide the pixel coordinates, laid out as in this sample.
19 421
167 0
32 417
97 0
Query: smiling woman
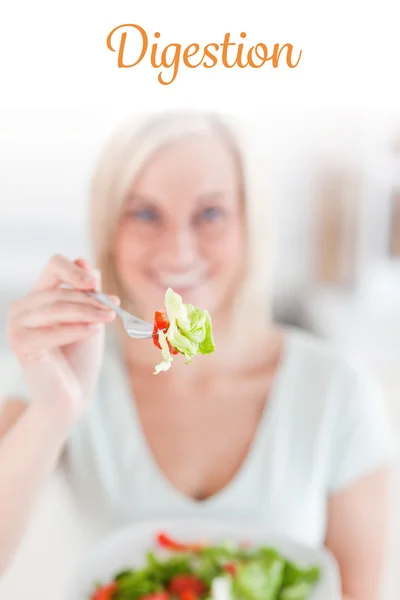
176 243
274 427
180 228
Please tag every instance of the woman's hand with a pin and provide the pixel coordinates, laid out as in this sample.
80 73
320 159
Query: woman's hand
57 335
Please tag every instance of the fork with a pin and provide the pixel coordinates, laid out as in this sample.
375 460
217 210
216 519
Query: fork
134 327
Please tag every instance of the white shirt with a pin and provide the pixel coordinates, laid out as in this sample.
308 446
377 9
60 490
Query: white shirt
325 425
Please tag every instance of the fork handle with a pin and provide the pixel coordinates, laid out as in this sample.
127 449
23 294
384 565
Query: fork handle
106 300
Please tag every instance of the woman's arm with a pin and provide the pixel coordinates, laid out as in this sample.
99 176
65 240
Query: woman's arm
29 449
356 532
57 335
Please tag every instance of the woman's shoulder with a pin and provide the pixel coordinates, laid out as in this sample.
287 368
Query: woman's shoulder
343 403
329 377
324 357
335 380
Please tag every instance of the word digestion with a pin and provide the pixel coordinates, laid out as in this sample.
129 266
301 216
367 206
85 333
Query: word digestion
132 45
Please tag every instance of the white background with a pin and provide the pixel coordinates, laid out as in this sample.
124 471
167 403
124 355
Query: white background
61 93
56 55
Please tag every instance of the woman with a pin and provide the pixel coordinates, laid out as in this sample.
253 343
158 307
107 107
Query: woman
275 427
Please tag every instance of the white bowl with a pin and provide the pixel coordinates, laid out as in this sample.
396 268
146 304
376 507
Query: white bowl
127 548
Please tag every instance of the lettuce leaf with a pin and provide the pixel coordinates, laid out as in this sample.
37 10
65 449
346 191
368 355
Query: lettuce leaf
298 591
189 332
259 580
296 574
165 353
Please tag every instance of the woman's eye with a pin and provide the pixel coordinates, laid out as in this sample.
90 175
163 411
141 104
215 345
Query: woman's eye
144 214
211 214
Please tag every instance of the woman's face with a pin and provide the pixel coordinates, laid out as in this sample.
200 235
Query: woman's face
182 227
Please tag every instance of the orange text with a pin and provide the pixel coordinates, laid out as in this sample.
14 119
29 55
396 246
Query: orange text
132 45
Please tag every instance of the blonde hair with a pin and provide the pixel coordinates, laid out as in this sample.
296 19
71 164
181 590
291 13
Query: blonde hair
121 161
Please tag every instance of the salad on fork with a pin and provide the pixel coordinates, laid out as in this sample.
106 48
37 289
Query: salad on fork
181 328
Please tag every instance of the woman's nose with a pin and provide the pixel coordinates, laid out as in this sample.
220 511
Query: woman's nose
180 248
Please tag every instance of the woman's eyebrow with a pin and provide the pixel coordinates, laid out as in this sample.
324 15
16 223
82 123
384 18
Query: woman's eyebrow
216 195
139 198
222 197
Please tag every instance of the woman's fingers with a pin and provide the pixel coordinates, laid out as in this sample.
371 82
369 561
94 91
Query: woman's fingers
51 316
84 264
60 312
48 297
33 343
60 269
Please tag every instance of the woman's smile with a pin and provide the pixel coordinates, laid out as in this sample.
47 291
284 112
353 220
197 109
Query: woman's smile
182 283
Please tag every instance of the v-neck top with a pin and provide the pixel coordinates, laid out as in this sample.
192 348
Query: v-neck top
324 426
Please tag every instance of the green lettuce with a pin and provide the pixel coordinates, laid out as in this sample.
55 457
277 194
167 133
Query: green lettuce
189 332
297 591
259 579
294 574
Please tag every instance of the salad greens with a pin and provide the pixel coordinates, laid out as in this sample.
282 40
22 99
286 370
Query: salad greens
224 572
183 329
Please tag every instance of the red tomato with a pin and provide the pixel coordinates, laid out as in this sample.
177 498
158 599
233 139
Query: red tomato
105 592
161 320
161 323
186 583
231 568
166 542
188 595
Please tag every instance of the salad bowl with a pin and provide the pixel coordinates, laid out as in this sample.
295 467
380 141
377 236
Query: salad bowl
127 549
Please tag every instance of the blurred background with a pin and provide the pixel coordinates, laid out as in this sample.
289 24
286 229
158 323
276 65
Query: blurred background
335 188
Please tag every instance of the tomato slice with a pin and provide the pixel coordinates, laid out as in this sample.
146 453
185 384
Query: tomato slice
161 320
189 595
167 542
231 568
186 583
105 592
161 323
